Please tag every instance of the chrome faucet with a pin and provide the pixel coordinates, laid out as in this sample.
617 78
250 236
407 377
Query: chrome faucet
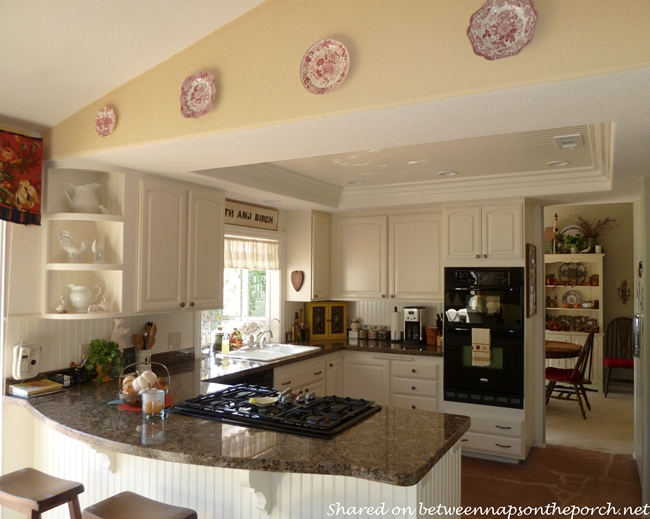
259 339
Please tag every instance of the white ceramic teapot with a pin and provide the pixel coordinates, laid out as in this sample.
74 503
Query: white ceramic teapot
81 297
83 199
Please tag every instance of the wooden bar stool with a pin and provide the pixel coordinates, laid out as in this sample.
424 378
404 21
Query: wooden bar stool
129 504
32 492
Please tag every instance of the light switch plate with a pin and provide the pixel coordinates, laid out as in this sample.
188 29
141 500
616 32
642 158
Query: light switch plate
174 340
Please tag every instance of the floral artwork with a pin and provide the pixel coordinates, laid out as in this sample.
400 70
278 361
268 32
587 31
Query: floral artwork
21 171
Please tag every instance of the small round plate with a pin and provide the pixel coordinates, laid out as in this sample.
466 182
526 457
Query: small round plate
502 28
105 122
197 95
324 66
571 298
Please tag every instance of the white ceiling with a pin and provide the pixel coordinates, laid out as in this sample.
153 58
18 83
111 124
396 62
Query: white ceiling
498 142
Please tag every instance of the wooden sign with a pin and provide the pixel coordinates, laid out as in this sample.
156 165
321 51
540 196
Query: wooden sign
250 215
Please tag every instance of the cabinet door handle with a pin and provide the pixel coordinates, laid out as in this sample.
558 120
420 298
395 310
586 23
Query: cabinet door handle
478 256
318 373
192 303
182 305
331 365
484 256
413 388
315 296
286 383
502 427
392 296
383 296
412 407
413 370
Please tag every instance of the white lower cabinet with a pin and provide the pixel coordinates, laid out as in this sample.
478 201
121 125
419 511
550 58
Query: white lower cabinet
303 377
409 382
335 375
367 376
499 433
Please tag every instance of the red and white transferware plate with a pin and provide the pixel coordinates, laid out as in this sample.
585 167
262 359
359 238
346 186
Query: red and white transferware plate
324 66
105 122
197 95
501 28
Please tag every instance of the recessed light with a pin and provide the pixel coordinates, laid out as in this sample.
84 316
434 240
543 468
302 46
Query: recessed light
355 182
558 163
272 201
447 173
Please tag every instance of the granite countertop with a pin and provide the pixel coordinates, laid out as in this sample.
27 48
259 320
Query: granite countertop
219 369
396 446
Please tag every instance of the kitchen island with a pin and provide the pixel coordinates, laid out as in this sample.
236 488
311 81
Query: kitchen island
402 458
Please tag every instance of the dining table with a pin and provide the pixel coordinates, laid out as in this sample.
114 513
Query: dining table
561 350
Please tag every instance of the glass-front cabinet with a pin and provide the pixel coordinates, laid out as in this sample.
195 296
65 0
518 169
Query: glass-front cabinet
327 320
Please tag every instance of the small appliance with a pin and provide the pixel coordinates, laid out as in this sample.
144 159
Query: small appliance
414 319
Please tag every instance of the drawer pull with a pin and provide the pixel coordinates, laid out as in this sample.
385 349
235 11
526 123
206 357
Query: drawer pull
318 373
286 383
464 440
413 388
413 370
413 407
503 446
502 427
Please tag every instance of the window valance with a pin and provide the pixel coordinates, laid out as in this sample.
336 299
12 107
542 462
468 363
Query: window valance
250 253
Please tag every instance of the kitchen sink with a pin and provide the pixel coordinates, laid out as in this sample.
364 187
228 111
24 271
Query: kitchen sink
271 353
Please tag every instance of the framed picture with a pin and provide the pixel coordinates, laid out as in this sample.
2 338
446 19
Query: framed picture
531 279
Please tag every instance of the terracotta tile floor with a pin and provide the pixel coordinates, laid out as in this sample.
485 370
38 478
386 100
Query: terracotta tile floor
562 475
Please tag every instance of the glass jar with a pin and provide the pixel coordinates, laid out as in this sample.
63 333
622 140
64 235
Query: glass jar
383 334
372 333
363 333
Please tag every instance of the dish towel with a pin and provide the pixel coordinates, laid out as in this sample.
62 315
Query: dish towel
481 343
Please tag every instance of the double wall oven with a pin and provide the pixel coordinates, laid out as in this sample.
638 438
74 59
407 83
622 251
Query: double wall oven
485 304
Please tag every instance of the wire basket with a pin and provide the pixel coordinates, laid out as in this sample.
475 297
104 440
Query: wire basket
133 397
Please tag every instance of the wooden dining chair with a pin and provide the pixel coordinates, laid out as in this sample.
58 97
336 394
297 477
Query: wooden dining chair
618 348
575 377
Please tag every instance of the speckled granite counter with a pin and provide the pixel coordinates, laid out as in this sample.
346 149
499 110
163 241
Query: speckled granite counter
215 369
395 446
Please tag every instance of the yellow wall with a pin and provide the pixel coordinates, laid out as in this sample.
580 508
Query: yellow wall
401 53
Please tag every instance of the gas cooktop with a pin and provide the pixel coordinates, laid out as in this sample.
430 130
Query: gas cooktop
267 408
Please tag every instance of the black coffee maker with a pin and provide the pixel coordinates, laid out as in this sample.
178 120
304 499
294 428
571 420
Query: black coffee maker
414 325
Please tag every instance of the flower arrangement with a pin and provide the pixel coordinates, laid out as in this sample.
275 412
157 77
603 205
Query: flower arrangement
577 241
595 227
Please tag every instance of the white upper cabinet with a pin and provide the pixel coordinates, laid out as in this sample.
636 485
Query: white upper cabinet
307 246
488 233
181 247
360 257
392 257
415 259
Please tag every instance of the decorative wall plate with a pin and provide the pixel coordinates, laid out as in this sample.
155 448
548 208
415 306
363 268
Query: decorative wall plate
502 28
197 95
571 298
575 272
105 122
324 66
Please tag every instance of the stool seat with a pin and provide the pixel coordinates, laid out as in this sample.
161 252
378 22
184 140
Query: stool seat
32 492
129 504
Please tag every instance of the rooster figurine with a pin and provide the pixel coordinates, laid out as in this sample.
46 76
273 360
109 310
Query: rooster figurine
67 245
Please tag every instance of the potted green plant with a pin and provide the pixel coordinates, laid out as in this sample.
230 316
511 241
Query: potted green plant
105 359
575 243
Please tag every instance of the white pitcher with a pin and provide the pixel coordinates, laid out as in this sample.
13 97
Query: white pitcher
83 199
81 297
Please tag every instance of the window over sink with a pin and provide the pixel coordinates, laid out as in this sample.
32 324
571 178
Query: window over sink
251 297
